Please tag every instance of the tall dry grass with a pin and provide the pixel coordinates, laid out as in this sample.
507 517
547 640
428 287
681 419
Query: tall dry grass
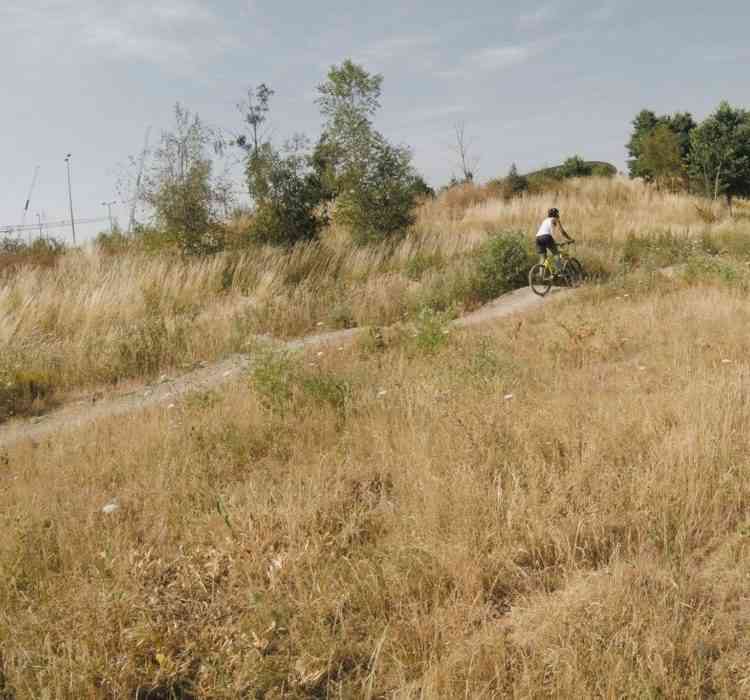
95 320
554 506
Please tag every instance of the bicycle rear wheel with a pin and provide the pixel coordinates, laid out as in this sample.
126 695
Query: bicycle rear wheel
540 280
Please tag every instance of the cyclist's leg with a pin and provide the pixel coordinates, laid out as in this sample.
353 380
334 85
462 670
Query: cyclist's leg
555 253
541 249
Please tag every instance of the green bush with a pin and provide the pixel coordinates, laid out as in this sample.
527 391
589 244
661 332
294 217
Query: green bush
502 264
287 213
432 330
377 196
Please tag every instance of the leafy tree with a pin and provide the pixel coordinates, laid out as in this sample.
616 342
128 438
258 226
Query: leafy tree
575 166
645 122
720 153
180 187
661 156
377 196
349 99
514 184
287 211
254 111
372 180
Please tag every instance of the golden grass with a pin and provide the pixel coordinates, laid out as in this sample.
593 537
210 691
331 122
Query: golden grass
96 320
554 506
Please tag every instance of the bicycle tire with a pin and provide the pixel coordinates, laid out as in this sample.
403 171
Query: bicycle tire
539 280
573 272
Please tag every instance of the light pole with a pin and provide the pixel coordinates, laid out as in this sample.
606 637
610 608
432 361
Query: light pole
70 199
109 213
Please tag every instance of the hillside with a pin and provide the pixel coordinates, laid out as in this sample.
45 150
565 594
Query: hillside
595 167
551 503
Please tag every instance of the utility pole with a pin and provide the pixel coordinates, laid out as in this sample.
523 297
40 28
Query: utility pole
109 214
70 199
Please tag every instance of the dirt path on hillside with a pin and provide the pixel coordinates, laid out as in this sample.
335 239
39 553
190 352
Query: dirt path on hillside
168 390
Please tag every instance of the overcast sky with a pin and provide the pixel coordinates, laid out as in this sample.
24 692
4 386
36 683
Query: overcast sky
533 81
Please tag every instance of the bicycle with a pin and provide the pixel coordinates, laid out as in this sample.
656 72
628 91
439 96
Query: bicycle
569 272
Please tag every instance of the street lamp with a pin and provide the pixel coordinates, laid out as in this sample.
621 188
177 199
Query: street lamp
109 213
70 199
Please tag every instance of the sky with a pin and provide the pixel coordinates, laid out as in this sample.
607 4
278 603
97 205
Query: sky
533 82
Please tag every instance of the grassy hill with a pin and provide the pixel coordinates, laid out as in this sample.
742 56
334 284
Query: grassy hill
554 504
595 167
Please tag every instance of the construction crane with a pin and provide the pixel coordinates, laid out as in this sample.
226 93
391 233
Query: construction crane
28 199
137 193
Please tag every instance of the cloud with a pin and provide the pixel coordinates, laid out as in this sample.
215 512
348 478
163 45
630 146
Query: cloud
173 33
496 58
727 54
542 14
604 13
431 114
417 50
492 59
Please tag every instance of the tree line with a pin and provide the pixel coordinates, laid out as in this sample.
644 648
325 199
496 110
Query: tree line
711 158
351 174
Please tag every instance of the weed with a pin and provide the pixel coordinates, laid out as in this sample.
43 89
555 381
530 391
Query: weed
431 330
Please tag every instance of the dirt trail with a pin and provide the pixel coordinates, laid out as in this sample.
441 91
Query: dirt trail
169 390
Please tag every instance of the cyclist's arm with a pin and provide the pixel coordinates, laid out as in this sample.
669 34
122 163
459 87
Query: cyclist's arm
563 231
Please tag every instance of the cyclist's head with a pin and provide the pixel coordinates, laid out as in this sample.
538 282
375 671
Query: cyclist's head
553 213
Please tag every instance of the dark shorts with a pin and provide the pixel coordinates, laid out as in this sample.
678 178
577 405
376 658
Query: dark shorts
546 243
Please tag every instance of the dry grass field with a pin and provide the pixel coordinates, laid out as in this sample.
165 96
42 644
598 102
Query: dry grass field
553 505
94 320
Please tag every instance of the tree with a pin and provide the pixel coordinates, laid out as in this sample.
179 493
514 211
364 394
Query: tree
372 181
377 198
467 162
287 212
661 156
514 183
254 112
645 122
256 145
180 187
575 166
720 153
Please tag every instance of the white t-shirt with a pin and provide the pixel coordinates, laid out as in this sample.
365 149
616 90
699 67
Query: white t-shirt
547 228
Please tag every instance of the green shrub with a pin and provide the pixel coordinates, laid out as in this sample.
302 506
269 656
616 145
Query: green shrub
502 264
285 385
376 196
287 213
419 263
432 330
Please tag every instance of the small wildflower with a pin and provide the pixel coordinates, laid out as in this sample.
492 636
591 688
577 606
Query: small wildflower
508 397
320 354
111 507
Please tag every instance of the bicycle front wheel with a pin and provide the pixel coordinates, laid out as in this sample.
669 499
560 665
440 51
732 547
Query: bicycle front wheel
540 280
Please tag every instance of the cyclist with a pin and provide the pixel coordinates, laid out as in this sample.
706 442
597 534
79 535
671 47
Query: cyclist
545 238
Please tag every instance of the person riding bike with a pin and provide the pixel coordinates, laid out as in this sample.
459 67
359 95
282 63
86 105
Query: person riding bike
545 239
